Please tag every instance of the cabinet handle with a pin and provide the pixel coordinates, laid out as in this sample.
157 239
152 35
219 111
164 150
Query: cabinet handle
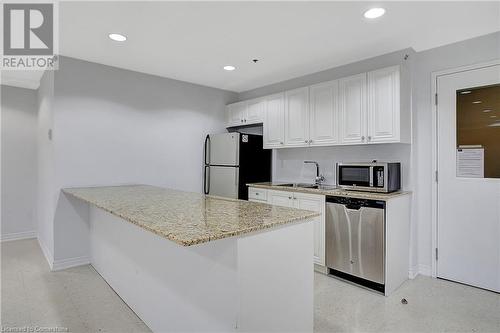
306 141
310 141
241 120
363 138
256 193
289 197
281 143
369 138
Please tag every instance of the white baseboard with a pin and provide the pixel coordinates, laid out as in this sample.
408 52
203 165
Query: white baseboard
18 236
70 262
413 272
421 269
424 270
57 265
46 253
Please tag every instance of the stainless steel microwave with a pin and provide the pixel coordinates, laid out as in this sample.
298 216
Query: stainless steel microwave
372 177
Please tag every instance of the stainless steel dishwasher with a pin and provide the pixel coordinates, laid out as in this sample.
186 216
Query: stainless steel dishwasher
355 240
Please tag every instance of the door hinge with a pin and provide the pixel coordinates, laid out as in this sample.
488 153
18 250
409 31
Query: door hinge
436 98
436 254
436 176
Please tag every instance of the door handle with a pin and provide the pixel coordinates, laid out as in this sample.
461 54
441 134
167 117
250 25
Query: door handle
206 178
207 150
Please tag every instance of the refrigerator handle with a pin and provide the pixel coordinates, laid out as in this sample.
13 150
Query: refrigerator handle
206 180
207 149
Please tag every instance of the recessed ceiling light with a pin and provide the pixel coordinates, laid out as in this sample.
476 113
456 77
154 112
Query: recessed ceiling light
117 37
374 13
477 102
493 116
487 110
229 68
495 124
465 92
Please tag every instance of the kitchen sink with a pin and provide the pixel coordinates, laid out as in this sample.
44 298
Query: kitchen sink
311 186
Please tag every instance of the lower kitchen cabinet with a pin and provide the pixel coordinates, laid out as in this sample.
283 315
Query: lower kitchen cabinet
314 202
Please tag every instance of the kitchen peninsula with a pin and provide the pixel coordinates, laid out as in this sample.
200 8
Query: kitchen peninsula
189 262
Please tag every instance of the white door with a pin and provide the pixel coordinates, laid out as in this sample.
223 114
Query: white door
383 105
314 203
297 117
236 114
323 114
468 241
352 92
280 198
274 127
255 111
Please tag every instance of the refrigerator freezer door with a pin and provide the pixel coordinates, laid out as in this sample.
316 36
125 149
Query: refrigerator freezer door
224 181
224 149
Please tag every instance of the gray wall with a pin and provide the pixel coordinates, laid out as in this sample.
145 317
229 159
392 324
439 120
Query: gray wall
47 194
19 160
114 126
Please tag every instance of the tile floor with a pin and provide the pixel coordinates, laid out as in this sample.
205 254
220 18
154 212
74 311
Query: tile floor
79 299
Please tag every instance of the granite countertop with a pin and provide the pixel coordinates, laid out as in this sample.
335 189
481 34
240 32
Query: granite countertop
333 192
184 217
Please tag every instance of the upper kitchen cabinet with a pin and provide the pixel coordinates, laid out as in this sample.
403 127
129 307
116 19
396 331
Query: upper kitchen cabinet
367 108
383 105
274 121
297 117
353 109
245 113
255 111
236 114
324 114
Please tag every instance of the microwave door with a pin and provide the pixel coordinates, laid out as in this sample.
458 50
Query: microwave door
355 176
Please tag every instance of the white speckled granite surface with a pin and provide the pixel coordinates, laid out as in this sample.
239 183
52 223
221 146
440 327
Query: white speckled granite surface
333 192
184 217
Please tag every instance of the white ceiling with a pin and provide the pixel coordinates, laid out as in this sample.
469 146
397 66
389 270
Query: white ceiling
192 41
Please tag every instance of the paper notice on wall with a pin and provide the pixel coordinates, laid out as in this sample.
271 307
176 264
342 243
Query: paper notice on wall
470 162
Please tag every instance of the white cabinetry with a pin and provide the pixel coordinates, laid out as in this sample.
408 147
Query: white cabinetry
297 117
353 109
359 109
236 114
245 113
383 105
313 202
274 121
255 111
324 114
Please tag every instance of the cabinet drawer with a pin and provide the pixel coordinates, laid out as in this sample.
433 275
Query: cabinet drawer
257 193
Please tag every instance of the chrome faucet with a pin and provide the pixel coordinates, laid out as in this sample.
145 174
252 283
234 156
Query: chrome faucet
319 178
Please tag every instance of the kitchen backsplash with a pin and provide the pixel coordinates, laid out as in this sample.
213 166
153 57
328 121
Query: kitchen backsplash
288 163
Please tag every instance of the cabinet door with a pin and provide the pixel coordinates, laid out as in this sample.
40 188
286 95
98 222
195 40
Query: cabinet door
383 105
297 117
236 114
353 109
315 203
280 198
323 114
255 111
274 126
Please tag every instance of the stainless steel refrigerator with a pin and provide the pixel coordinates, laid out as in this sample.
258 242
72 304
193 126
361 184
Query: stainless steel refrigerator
233 160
